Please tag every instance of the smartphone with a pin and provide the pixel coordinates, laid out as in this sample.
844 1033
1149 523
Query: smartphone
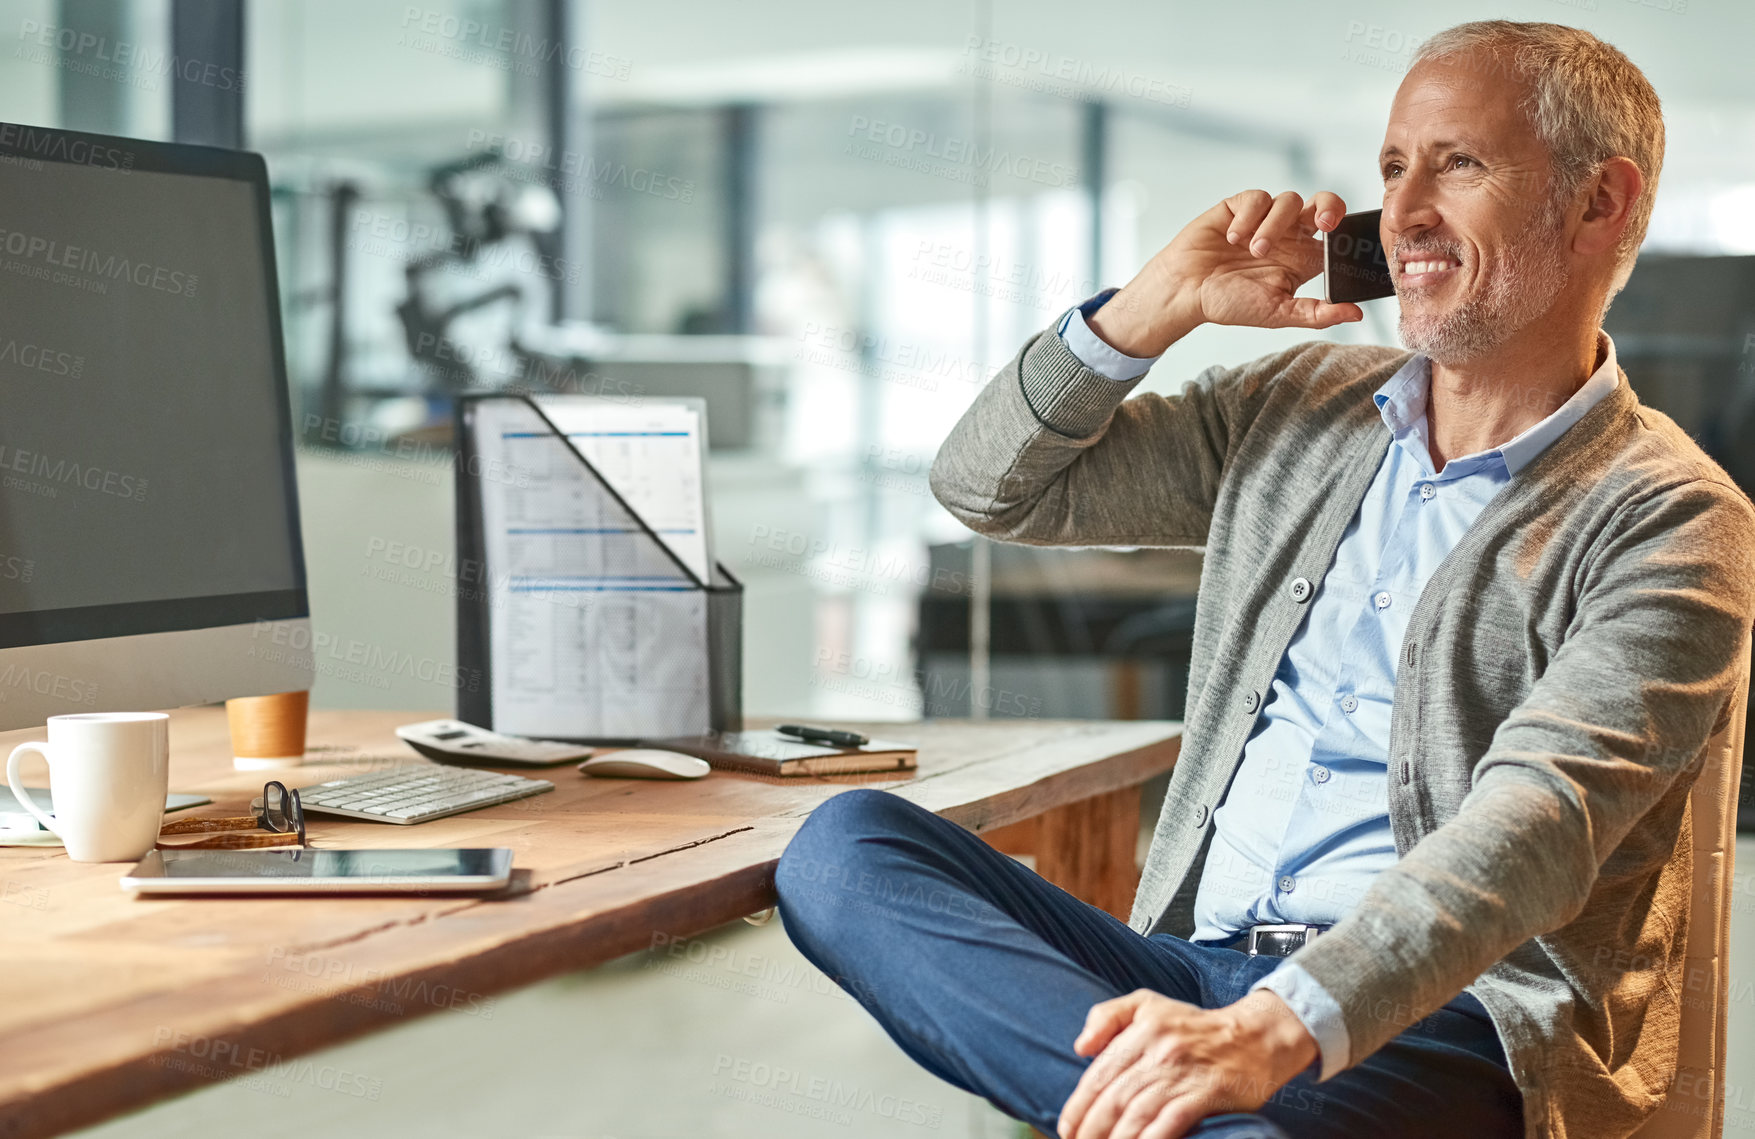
1354 267
314 871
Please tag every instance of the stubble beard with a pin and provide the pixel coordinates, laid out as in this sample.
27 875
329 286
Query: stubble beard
1529 281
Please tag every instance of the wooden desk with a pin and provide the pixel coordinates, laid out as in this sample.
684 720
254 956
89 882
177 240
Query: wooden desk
108 1002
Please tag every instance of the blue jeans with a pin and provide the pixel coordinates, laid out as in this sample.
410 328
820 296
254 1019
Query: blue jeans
983 971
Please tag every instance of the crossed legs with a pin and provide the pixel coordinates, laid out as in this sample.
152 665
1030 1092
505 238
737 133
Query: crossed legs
983 972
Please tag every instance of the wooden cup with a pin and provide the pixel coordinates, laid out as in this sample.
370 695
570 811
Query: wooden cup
268 731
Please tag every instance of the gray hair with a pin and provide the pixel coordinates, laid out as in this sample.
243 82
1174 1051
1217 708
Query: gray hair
1587 103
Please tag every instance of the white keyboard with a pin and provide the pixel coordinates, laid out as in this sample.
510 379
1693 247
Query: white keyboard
414 793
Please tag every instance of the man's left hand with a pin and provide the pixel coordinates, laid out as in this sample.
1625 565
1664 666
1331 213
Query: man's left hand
1162 1066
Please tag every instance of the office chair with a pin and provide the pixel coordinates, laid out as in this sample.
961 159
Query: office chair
1695 1105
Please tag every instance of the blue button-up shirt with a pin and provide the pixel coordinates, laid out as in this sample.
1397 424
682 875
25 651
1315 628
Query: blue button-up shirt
1305 826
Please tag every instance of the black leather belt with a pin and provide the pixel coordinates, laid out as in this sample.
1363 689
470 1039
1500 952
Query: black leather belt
1275 940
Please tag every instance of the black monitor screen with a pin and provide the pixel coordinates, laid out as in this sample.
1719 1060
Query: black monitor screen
145 462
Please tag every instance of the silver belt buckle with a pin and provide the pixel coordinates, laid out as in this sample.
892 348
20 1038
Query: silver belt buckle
1309 931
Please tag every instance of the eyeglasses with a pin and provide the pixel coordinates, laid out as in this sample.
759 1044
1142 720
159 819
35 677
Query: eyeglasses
277 811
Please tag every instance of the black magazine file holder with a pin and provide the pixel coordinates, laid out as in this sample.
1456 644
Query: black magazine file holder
711 638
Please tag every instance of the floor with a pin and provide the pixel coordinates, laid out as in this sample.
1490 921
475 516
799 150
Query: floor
730 1035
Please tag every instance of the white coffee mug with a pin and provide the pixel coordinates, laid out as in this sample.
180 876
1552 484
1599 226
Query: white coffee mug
108 772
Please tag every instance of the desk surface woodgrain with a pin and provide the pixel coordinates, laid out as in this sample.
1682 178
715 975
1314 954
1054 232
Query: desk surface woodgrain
108 1002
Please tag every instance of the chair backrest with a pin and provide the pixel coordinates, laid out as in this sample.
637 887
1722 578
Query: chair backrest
1695 1107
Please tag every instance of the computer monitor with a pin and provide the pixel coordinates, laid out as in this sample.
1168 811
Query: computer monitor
149 527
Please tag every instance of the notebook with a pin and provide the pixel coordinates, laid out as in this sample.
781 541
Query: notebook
770 753
18 827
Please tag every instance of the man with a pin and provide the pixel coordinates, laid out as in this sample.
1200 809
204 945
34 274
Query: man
1467 620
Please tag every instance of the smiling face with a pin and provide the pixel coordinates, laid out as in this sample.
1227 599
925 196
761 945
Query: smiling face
1478 249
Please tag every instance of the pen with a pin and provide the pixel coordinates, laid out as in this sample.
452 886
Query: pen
824 735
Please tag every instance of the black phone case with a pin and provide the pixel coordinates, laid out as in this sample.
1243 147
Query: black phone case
1354 267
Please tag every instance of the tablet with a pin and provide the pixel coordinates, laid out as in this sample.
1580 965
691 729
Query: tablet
309 871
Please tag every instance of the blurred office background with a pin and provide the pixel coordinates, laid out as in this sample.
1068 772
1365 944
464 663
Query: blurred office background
833 221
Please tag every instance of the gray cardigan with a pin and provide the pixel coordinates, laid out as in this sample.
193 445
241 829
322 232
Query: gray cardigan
1560 676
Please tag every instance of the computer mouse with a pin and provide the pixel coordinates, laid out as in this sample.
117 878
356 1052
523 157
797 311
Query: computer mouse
645 763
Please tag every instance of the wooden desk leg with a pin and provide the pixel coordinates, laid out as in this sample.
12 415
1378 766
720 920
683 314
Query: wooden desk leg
1087 849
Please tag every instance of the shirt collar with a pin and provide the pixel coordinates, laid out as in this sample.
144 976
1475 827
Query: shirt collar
1402 403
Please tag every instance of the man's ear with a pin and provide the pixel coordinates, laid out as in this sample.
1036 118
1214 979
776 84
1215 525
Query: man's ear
1609 206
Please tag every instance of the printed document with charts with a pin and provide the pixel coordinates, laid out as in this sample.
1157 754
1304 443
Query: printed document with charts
597 600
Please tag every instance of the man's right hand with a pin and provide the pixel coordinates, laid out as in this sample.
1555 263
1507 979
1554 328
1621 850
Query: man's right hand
1238 263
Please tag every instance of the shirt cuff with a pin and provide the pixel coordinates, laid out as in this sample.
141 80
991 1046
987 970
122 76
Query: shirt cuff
1090 349
1316 1010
